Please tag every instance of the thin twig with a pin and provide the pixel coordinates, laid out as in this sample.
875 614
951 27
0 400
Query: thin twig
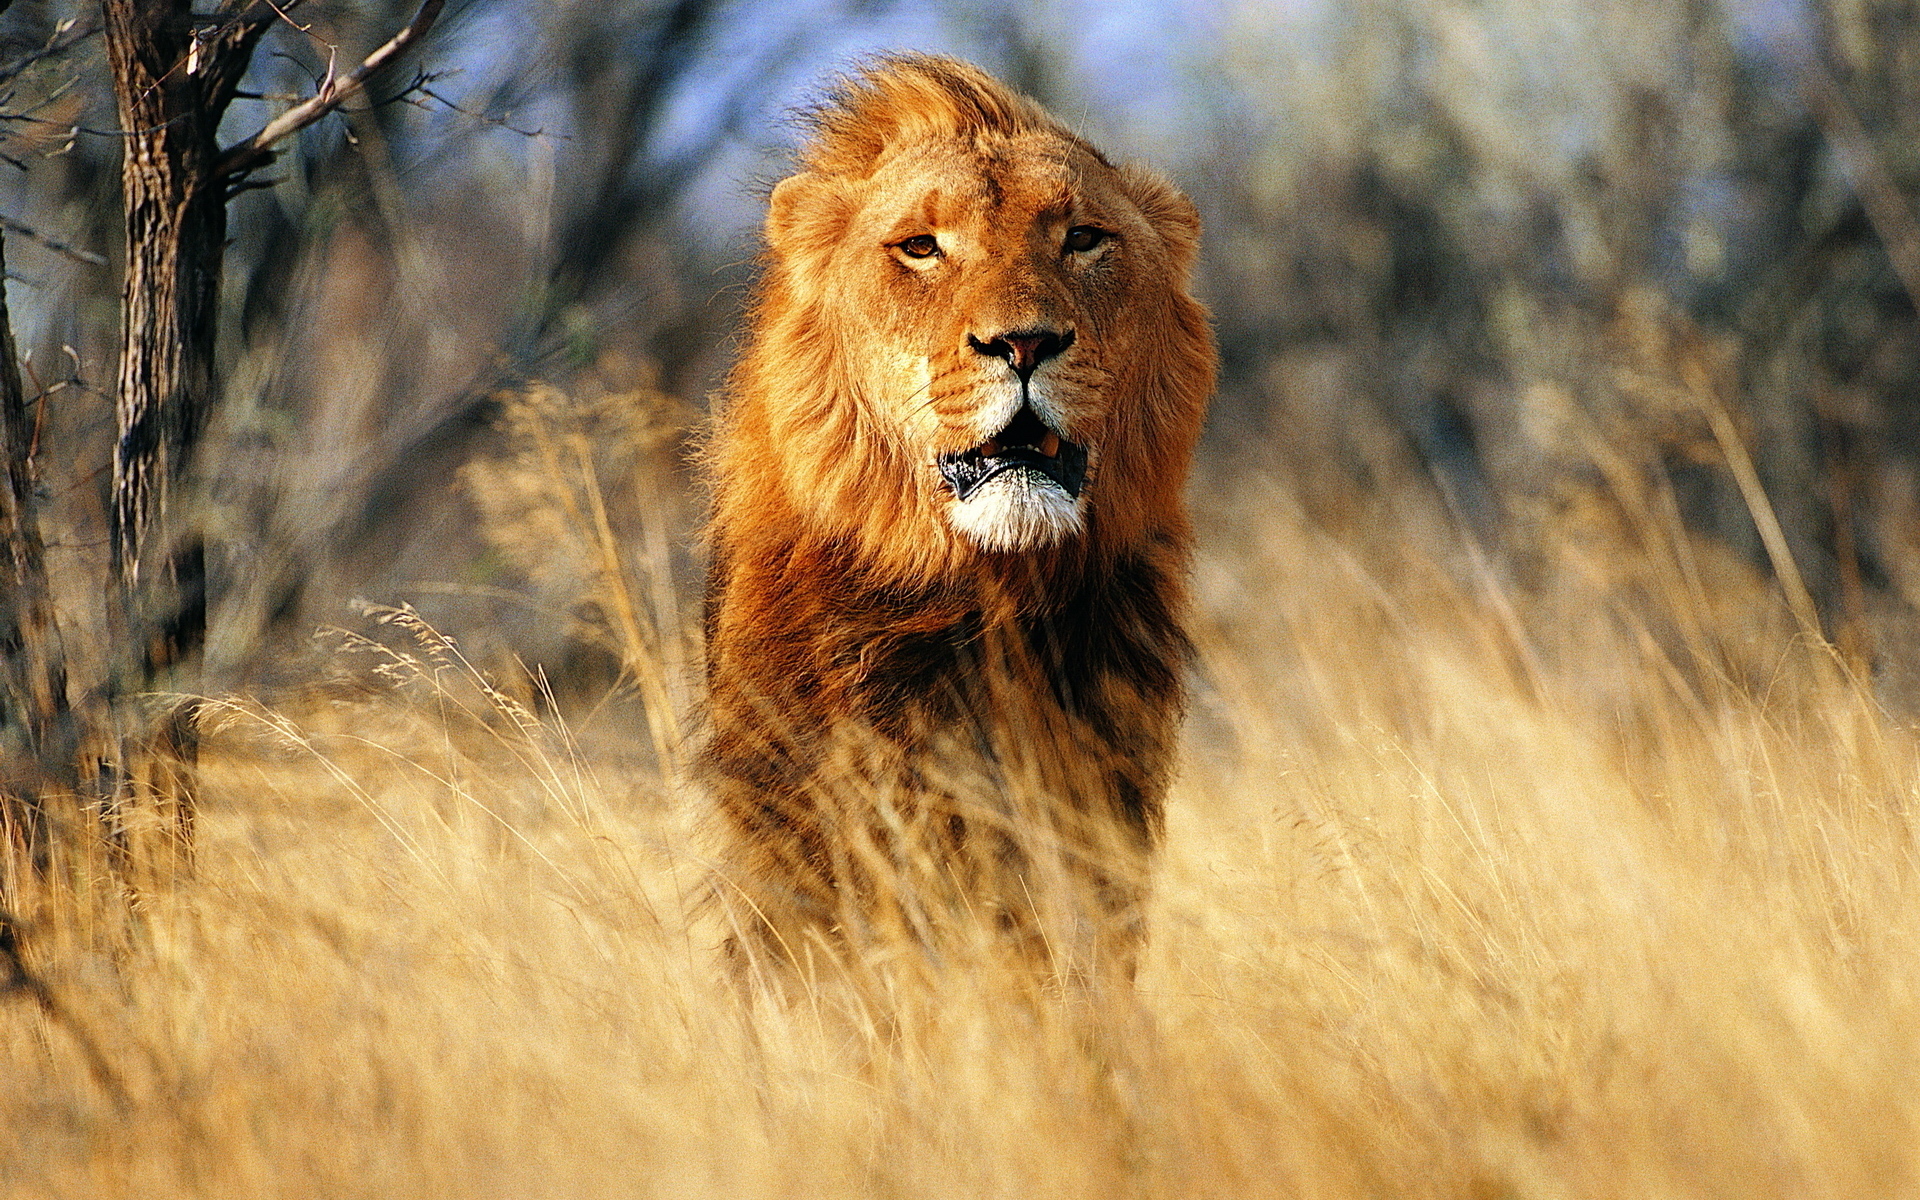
73 129
419 88
53 244
503 121
253 151
65 37
283 14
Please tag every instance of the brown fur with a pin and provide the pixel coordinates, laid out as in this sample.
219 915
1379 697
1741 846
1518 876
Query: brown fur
889 699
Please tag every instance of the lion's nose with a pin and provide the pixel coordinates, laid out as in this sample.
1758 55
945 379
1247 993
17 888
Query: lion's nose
1025 350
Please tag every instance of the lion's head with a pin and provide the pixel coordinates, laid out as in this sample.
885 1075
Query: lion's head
974 335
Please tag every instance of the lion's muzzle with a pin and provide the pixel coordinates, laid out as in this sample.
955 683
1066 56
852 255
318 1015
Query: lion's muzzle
1026 443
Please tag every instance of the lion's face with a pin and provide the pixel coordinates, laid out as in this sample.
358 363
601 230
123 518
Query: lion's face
1002 279
974 337
1001 307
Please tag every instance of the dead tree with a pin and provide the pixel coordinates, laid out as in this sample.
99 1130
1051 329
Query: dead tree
39 758
175 72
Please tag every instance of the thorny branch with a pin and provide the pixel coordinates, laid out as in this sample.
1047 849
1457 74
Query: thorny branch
333 91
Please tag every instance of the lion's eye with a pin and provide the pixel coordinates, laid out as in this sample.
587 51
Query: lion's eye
1082 238
921 246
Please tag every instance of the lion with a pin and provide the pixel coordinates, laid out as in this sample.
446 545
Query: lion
945 639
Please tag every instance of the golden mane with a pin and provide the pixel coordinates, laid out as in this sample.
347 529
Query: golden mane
911 98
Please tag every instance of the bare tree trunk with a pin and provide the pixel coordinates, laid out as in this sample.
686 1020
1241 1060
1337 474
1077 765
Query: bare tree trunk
38 740
174 76
173 81
175 73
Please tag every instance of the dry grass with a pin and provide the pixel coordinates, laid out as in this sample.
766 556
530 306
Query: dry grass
1603 884
1631 910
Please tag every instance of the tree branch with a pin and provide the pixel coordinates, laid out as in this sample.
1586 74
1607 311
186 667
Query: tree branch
66 36
254 151
53 244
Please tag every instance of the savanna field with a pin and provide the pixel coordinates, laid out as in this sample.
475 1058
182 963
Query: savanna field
1547 816
1444 910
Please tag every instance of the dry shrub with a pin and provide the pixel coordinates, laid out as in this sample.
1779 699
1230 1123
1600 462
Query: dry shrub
579 505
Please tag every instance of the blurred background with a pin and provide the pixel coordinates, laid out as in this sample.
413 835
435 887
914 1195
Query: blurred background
1587 303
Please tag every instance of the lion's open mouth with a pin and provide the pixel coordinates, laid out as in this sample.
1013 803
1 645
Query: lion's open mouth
1025 442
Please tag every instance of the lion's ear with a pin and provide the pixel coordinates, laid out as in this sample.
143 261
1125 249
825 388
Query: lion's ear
1170 213
806 216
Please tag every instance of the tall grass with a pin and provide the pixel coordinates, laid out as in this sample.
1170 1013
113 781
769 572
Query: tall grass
1578 865
1469 890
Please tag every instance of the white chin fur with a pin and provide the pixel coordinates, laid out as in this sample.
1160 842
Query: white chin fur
1019 510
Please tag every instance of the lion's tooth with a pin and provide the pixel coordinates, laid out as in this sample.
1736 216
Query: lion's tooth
1050 445
989 448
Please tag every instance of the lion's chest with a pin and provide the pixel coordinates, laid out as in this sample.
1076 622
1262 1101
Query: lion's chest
801 667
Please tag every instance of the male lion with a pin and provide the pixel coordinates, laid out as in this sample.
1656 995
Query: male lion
944 643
